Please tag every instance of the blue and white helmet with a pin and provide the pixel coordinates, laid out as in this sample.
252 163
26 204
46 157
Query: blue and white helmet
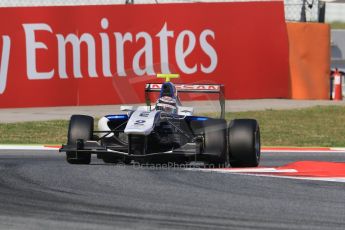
168 89
166 104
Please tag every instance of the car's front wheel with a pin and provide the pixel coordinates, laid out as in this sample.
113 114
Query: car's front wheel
80 127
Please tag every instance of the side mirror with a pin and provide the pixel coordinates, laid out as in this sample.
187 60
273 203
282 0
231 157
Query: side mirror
127 108
187 111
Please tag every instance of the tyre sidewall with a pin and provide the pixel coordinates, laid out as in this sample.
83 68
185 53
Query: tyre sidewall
244 143
80 127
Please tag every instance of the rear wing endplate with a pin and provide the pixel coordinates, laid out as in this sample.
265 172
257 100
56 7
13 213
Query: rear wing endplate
191 88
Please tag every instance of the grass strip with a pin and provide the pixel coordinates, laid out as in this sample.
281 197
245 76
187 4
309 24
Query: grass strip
322 126
337 25
38 132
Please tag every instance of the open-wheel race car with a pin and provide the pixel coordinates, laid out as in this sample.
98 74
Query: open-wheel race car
165 132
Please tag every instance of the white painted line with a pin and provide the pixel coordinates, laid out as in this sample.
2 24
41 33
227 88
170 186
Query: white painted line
27 147
245 170
253 171
329 179
338 150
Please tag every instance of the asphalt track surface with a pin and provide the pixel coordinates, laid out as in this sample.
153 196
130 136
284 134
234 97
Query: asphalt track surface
39 190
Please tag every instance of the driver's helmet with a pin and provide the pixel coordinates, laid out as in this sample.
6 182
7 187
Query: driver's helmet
166 104
168 89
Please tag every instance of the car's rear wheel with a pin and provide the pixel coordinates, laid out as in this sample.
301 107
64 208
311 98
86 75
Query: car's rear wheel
80 128
244 143
215 143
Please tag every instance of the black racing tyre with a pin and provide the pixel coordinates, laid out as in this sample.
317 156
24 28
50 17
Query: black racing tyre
215 141
244 143
80 127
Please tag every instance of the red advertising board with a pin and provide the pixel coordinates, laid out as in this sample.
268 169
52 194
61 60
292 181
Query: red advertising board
85 55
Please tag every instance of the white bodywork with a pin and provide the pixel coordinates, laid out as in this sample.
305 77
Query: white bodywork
141 119
103 126
141 122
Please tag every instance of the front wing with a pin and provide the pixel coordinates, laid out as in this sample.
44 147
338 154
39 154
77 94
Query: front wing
188 152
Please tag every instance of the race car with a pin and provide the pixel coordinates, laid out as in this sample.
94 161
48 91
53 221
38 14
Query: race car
165 132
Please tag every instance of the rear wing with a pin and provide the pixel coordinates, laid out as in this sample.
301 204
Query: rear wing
191 88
